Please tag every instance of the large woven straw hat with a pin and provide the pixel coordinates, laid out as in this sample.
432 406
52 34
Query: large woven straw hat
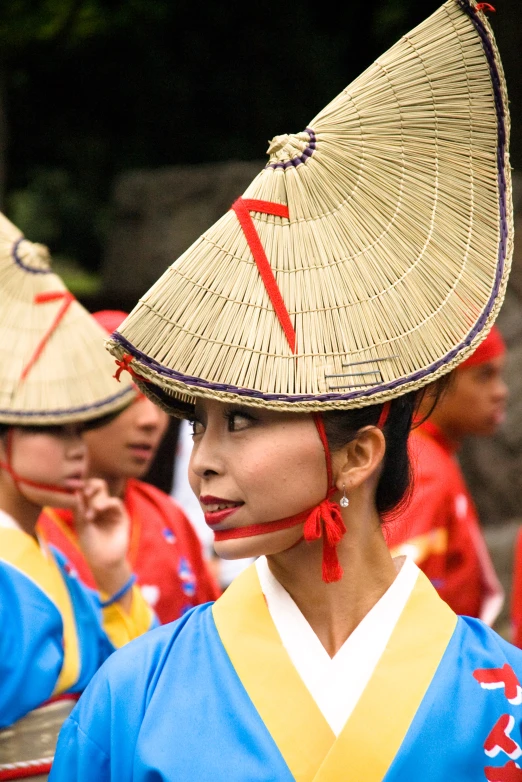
53 366
368 258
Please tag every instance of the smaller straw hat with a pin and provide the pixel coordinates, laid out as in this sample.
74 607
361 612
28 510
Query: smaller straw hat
368 258
53 365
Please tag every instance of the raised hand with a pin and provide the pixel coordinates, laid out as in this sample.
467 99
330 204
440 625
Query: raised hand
103 527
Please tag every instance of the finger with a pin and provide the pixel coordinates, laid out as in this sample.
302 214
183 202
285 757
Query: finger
109 509
102 502
94 486
79 510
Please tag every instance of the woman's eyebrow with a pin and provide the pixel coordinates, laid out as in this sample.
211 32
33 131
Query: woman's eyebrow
199 414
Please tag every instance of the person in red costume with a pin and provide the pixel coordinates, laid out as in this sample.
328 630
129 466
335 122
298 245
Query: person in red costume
164 551
516 595
439 527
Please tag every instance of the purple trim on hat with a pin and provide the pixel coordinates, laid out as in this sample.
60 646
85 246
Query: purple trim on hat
308 152
479 325
16 258
66 411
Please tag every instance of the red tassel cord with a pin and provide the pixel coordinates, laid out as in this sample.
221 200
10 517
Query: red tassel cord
485 7
125 366
326 522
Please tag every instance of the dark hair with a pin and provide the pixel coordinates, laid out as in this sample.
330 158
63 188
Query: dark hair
395 483
342 427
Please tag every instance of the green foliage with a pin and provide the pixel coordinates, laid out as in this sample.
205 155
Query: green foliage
53 210
95 87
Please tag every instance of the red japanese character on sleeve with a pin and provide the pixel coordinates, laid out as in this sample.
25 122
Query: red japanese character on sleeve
511 772
499 739
494 678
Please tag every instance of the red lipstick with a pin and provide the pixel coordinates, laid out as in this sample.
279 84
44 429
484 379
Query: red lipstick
215 515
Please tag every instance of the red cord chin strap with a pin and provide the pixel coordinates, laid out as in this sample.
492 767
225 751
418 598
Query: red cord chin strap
41 298
324 521
19 479
385 412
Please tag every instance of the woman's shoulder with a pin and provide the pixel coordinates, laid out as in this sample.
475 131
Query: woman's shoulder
121 690
146 655
480 644
138 665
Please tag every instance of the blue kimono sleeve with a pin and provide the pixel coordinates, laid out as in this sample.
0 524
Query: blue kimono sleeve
32 644
80 758
106 754
31 650
168 706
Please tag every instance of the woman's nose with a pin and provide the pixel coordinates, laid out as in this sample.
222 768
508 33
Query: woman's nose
501 389
149 415
76 447
205 459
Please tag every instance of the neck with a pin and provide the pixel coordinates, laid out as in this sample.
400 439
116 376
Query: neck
334 610
116 485
452 434
13 502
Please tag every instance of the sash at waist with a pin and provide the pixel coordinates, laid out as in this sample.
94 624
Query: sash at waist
27 746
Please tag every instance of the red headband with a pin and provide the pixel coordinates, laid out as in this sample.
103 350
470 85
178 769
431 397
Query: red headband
109 320
491 347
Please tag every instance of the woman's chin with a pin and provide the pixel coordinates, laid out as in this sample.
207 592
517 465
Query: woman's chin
55 499
66 501
257 545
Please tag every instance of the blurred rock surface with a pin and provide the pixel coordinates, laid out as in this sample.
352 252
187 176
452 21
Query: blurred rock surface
159 213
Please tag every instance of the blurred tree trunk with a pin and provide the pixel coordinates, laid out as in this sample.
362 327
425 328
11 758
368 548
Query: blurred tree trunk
3 138
508 31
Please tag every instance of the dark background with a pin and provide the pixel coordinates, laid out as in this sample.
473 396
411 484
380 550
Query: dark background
89 89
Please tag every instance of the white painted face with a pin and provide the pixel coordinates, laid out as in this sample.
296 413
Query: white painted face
251 466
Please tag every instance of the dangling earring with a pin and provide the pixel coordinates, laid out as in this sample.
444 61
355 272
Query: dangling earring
344 501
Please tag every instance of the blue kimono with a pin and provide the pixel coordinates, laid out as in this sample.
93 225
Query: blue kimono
214 696
53 634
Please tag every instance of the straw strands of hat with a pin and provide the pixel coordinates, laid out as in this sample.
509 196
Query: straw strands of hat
369 257
53 366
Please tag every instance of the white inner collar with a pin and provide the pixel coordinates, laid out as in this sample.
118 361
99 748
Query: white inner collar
337 683
8 521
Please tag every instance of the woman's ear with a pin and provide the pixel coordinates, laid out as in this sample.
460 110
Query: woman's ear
359 460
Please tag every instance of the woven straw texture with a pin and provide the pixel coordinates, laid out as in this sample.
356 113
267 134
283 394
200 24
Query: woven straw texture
392 263
49 374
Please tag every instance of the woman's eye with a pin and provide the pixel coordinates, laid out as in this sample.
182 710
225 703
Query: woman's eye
197 427
238 421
